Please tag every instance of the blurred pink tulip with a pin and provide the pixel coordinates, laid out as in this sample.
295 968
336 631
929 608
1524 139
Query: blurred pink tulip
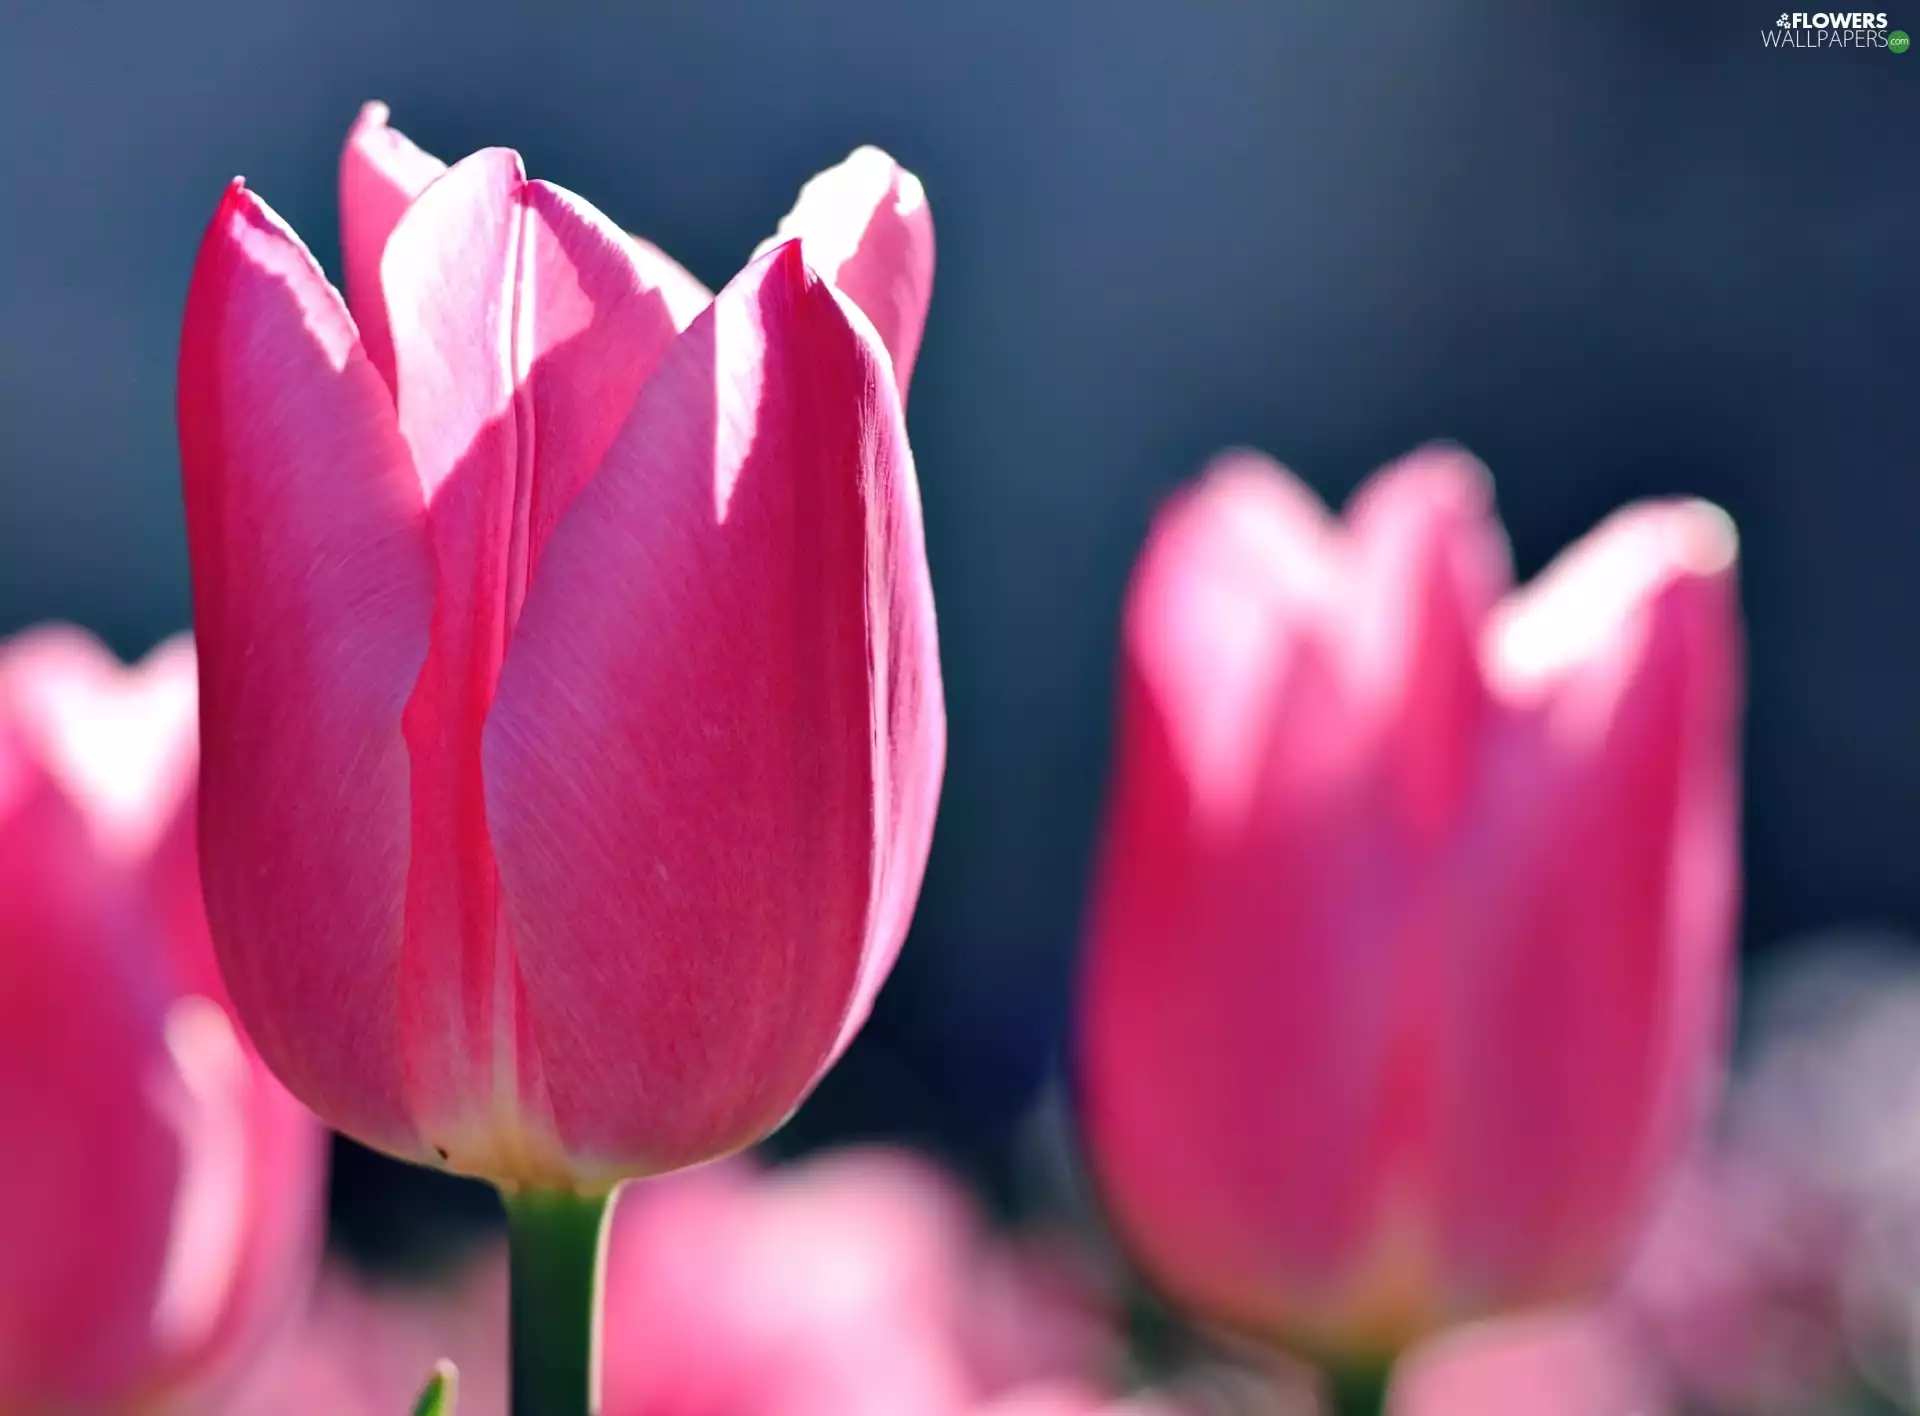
861 1283
161 1194
571 707
1573 1364
365 1348
1409 954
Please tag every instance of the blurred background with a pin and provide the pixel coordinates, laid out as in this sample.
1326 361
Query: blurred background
1614 251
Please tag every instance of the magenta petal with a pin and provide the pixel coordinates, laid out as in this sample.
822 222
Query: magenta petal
80 1005
312 592
381 172
711 763
865 226
163 1215
1571 1362
1433 564
524 324
685 296
1237 575
123 741
1590 1002
1240 808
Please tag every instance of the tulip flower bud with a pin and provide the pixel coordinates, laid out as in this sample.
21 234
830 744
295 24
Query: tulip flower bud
160 1197
572 718
1409 950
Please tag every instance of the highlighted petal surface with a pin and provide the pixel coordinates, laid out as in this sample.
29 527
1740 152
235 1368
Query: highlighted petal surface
312 583
690 756
865 226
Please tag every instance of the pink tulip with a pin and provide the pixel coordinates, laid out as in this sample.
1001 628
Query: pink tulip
160 1194
571 706
1409 952
1566 1364
861 1283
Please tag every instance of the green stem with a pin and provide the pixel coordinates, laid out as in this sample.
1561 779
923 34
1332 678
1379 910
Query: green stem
553 1256
1358 1391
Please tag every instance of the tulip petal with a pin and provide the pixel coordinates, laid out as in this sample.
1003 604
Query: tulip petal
123 741
79 1012
122 745
685 297
1580 1362
313 595
381 172
865 226
524 324
840 1287
722 674
1589 1002
249 1207
1241 567
125 745
1242 807
1432 565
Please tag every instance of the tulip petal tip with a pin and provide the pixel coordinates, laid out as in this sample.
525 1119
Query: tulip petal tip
786 263
875 164
910 194
244 218
234 197
1709 539
1444 476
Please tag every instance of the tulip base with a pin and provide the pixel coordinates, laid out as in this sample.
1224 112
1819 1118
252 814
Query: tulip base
554 1245
1357 1391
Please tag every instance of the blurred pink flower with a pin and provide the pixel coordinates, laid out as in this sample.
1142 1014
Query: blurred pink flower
567 649
864 1282
161 1194
1739 1286
1783 1273
1573 1364
365 1348
1409 953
